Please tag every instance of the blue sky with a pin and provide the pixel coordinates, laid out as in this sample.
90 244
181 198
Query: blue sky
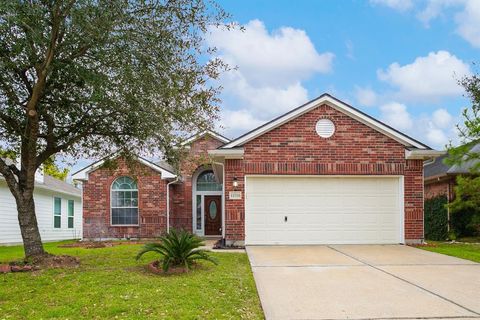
397 60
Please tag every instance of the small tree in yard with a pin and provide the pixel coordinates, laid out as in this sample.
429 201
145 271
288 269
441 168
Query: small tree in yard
86 78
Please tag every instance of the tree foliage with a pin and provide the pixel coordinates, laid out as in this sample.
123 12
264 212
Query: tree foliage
465 209
436 218
87 77
52 169
470 129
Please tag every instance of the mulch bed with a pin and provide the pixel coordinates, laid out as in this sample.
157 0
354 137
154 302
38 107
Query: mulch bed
47 261
156 268
98 244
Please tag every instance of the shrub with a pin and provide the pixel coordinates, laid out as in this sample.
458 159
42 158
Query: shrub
436 218
177 249
465 209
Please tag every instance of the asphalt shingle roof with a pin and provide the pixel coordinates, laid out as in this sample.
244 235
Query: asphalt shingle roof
439 168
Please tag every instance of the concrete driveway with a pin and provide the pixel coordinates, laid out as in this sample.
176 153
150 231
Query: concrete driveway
364 282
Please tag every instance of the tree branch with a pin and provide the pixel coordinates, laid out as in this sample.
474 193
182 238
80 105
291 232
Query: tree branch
7 172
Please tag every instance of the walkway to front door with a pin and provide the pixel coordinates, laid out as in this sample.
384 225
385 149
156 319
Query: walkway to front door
363 282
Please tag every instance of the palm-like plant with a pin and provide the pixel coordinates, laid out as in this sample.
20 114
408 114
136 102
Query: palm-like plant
177 248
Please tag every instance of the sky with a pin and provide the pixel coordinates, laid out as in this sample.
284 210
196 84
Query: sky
396 60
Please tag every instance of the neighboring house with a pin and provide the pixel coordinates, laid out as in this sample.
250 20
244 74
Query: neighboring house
440 177
322 173
58 207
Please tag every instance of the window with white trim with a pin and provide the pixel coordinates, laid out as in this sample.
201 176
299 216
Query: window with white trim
124 202
71 214
206 182
57 212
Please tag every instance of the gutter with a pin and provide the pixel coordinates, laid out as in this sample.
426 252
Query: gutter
168 202
224 214
227 153
421 154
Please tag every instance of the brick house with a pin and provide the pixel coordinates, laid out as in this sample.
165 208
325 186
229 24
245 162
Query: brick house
322 173
440 178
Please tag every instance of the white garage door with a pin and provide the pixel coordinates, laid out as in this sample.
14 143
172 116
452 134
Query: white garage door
323 210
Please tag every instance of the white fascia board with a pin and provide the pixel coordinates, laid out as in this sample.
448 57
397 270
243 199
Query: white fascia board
336 104
82 175
227 153
421 154
203 133
165 174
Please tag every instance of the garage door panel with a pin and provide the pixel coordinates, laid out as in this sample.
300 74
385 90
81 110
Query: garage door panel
322 210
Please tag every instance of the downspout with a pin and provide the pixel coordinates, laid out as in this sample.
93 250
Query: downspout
223 201
168 203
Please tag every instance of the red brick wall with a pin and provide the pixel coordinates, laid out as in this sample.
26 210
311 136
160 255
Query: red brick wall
439 188
197 155
151 202
354 149
413 198
152 197
234 209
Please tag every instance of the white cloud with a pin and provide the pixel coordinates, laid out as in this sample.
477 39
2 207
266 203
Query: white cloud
396 115
400 5
466 16
468 22
435 130
436 137
271 68
239 120
264 101
365 96
434 9
441 118
427 78
270 58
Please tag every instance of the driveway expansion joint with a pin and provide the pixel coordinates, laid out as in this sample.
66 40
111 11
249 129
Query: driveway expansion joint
413 284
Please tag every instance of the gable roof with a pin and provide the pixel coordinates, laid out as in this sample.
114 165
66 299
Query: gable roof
82 174
203 133
437 168
336 104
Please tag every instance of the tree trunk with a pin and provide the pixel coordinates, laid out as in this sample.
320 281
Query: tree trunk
32 242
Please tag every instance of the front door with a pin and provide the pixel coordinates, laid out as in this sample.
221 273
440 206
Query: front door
213 215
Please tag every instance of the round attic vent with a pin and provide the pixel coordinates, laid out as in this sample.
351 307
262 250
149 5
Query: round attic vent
325 128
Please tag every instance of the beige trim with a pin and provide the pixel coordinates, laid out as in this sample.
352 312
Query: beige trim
422 154
227 153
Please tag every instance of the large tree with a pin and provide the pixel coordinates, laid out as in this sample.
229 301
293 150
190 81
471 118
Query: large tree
88 77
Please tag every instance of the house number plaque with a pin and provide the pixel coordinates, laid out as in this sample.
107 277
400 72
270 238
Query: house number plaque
235 195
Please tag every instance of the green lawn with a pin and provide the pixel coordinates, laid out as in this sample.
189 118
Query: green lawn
110 284
469 251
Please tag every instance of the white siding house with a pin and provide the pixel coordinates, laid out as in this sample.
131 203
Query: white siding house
58 207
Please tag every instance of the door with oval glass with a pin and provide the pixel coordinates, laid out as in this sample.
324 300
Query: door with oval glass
213 215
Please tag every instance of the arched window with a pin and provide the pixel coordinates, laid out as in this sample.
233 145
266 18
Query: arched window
124 202
206 182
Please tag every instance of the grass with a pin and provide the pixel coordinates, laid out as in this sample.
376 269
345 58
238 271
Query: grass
110 284
469 251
